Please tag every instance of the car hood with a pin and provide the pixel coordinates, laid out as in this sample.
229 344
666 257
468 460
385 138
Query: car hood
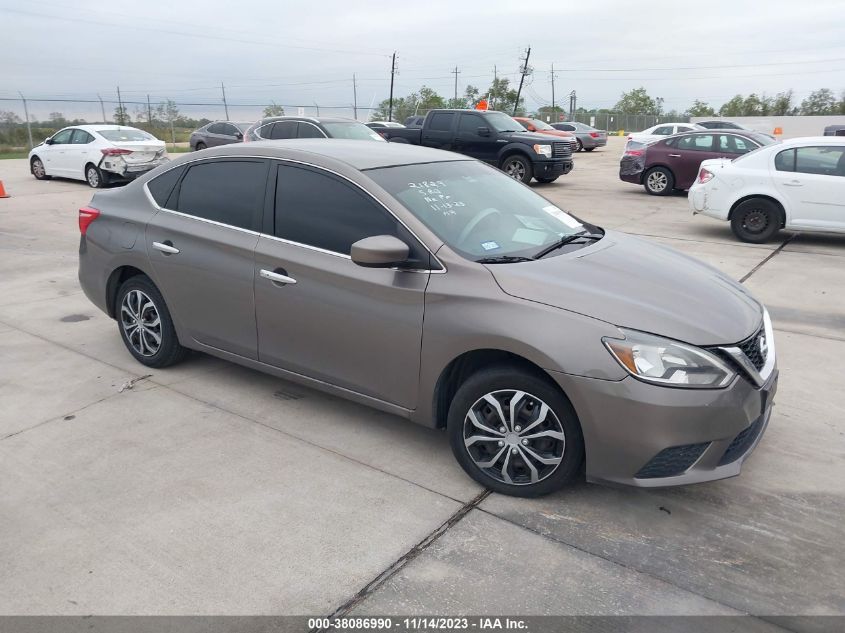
527 137
640 285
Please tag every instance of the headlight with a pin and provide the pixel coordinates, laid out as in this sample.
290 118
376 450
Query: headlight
666 362
544 150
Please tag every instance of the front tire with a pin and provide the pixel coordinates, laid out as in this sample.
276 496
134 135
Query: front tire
517 167
659 181
200 146
145 324
546 181
589 149
756 220
37 169
515 432
94 176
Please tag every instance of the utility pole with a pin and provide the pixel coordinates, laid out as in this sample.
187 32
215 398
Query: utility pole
455 72
26 114
120 111
102 108
225 105
553 90
149 112
354 97
495 88
392 73
572 102
525 70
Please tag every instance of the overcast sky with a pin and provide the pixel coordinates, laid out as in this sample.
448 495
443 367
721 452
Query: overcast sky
306 52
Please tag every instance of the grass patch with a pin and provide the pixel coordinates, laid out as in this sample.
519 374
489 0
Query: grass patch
14 154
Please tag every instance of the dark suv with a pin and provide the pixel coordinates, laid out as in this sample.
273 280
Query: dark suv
284 127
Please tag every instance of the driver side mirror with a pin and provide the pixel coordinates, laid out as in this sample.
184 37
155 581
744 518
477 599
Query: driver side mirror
483 131
379 251
239 135
48 141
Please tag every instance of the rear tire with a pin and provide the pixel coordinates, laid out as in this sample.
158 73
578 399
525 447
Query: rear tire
145 324
200 146
659 181
554 448
37 169
589 149
756 220
94 176
579 145
517 167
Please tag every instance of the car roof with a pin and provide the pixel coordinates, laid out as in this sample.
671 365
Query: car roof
101 126
813 140
321 119
360 155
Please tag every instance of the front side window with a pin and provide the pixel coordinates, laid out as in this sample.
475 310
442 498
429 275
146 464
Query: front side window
475 209
684 128
81 137
216 128
468 124
226 191
735 144
62 138
281 130
321 210
566 127
696 143
352 130
825 160
307 130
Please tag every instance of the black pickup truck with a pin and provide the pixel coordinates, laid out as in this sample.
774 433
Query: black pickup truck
492 137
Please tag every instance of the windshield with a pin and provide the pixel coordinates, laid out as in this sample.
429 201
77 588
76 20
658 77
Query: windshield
352 130
502 122
476 209
541 125
126 134
754 151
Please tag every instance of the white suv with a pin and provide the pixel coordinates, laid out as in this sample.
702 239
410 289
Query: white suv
797 184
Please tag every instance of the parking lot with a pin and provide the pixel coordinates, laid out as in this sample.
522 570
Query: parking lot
213 489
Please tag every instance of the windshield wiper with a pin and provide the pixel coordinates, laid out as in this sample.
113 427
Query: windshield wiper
567 239
504 259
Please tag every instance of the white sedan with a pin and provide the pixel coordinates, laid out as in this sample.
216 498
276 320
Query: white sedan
97 154
797 184
662 130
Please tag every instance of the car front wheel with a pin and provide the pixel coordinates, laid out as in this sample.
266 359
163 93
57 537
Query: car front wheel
200 146
659 181
755 220
37 168
145 324
515 432
518 168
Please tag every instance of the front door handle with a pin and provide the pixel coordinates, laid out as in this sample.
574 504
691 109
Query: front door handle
674 155
793 183
166 247
277 277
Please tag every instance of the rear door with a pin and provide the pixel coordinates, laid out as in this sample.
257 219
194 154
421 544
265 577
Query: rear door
468 141
79 152
201 247
812 179
354 327
438 130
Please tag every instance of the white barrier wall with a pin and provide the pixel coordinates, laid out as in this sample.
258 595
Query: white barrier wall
792 126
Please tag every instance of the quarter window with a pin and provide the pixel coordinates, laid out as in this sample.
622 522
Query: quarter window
785 160
696 142
441 121
226 191
319 209
161 186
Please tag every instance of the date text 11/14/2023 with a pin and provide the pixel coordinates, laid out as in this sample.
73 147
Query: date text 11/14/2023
416 623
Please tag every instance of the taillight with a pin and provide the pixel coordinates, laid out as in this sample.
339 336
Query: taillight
86 216
704 176
115 151
596 134
634 152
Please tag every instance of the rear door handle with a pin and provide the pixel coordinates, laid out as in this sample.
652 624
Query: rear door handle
794 183
166 247
674 155
277 277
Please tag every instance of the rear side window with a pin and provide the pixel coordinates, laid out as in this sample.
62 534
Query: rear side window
307 130
566 127
319 209
663 131
81 137
696 142
226 191
282 130
161 186
216 128
441 121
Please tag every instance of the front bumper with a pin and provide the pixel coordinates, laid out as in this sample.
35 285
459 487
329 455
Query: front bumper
552 168
649 436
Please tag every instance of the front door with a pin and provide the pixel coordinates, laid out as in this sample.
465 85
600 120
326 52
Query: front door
353 327
55 155
202 252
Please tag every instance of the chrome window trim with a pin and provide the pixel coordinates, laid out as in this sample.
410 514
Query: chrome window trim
152 201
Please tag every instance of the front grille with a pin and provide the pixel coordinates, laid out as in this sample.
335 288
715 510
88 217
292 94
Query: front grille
742 442
752 348
561 150
672 461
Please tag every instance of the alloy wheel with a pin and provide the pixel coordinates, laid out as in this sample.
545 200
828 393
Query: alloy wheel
141 322
38 168
657 181
514 437
515 169
92 177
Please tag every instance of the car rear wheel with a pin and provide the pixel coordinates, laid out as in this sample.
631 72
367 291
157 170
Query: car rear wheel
589 149
515 432
518 168
579 146
756 220
659 181
145 324
37 169
200 146
94 177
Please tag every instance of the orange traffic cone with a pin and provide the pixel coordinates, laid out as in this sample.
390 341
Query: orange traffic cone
3 193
